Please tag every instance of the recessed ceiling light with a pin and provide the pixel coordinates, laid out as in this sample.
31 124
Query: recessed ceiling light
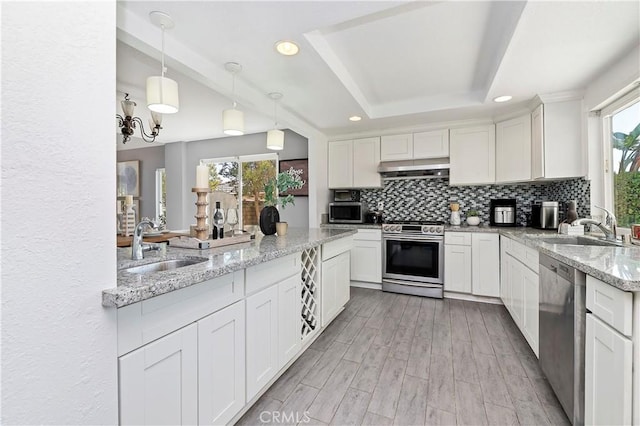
355 118
287 48
504 98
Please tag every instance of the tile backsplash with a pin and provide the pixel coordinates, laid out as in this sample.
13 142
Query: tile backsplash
429 199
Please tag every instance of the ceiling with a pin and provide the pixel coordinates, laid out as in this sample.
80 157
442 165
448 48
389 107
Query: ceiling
396 64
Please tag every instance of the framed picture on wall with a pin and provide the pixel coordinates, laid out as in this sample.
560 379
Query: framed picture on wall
303 164
128 178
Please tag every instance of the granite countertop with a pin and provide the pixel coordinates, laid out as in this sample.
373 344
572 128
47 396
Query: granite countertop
134 288
351 226
617 266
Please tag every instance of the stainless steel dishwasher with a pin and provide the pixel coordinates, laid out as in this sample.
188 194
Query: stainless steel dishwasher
562 327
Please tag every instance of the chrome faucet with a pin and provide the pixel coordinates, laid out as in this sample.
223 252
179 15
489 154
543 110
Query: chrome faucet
610 233
137 246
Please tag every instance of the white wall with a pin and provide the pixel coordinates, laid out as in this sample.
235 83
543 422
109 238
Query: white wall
58 342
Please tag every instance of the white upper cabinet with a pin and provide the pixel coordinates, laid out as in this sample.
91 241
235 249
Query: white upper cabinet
556 140
513 150
354 163
396 147
433 144
472 152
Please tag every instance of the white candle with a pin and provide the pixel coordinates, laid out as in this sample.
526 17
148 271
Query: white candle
128 199
202 176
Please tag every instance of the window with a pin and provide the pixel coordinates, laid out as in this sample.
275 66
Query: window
622 132
161 197
238 182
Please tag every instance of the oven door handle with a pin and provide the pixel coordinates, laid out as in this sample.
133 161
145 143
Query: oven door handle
412 237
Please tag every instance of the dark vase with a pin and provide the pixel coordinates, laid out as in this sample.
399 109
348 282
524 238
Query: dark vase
268 218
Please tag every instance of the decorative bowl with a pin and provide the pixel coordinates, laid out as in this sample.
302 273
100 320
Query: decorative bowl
473 220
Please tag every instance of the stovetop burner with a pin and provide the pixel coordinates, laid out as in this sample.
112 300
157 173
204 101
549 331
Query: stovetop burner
415 222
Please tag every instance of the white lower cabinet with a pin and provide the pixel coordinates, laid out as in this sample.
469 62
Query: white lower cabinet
366 256
335 285
457 269
520 288
289 321
472 263
608 374
221 366
262 339
158 383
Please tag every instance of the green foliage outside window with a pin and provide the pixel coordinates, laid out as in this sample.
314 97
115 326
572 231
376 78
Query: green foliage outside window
626 179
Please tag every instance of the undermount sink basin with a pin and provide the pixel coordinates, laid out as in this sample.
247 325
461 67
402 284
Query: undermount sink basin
165 265
579 241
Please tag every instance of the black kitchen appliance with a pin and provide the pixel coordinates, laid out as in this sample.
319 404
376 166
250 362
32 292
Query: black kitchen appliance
502 212
545 214
373 216
346 195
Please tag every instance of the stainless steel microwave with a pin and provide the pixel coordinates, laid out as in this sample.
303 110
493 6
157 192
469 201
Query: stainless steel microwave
347 212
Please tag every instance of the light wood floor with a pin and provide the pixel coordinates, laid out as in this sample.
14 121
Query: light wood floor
397 359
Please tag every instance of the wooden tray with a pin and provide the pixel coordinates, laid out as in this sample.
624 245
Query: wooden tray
194 243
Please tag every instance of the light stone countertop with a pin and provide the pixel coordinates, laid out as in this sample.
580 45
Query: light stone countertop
617 266
350 226
220 261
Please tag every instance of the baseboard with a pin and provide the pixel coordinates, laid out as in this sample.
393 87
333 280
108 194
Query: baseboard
363 284
472 298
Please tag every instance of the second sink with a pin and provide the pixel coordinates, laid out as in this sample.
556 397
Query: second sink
165 265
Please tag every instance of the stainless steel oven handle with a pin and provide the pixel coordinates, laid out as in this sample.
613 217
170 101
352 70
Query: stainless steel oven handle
412 237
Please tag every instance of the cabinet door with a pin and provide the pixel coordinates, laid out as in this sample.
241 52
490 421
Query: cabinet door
608 374
396 147
366 159
537 143
158 383
221 365
335 285
531 307
472 153
516 278
340 164
366 261
505 283
262 339
289 319
485 261
563 139
513 150
457 268
434 144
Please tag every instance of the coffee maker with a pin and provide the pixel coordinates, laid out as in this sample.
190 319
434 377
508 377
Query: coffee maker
502 212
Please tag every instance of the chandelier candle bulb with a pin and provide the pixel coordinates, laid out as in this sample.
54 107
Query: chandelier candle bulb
128 199
202 176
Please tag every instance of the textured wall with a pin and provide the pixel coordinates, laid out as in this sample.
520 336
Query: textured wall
429 199
59 360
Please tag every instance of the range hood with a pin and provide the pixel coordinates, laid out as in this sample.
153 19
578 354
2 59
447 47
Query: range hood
428 168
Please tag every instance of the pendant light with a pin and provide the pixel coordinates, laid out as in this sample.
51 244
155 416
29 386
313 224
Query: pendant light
162 92
233 119
275 137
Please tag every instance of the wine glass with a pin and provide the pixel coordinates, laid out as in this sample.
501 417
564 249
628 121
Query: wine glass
232 219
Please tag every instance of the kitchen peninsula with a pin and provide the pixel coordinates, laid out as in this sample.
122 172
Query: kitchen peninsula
225 326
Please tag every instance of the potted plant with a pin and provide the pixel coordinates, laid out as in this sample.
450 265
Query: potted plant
275 194
472 217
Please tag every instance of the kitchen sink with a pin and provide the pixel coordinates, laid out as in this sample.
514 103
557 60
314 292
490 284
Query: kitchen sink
579 241
165 265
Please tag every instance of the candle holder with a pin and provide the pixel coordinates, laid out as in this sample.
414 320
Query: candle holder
202 230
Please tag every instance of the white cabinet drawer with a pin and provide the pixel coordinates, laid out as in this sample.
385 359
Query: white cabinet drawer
613 306
268 273
517 250
368 235
457 238
334 248
531 259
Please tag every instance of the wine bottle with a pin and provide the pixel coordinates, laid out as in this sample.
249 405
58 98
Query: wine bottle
218 221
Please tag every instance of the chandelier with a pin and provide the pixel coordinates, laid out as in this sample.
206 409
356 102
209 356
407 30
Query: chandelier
128 123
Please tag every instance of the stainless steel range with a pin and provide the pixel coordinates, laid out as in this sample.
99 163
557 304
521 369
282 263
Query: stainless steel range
413 258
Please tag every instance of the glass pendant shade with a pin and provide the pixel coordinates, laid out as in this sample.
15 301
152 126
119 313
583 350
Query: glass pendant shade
275 139
162 95
233 122
127 107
